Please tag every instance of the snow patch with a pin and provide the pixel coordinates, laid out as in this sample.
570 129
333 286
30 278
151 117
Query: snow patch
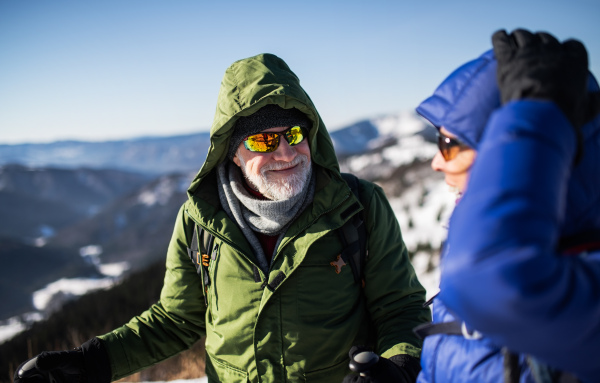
90 250
91 254
114 269
10 328
428 272
46 232
423 212
13 326
402 124
40 242
160 194
409 149
57 293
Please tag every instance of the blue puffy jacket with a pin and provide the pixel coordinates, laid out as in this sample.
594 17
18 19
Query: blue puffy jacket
504 272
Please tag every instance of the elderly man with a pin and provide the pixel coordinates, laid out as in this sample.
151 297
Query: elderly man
272 288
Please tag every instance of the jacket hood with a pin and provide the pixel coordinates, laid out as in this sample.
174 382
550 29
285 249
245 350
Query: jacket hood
463 104
248 85
465 100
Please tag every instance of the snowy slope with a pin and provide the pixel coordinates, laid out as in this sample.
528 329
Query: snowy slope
399 161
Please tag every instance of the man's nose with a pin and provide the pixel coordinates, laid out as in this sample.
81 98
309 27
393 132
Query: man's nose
284 152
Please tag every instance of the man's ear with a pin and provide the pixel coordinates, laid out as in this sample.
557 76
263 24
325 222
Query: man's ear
236 159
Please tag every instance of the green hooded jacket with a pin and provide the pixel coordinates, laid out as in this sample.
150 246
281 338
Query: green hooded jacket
299 321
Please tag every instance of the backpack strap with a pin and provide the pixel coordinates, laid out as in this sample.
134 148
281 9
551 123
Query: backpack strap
510 366
449 328
426 329
199 255
580 243
353 235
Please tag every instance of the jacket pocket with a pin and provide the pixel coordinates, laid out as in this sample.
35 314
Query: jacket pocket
219 370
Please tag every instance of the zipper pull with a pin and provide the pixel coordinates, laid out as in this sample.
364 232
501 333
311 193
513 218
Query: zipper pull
214 252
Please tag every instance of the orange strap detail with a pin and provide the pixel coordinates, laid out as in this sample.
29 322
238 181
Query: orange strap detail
205 260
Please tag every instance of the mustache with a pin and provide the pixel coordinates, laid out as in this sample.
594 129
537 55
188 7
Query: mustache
300 159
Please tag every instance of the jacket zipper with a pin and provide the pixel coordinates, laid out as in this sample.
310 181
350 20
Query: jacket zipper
214 255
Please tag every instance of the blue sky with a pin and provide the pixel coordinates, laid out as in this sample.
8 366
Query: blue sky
113 69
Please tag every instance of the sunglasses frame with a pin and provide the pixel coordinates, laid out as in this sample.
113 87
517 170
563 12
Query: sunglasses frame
278 138
449 147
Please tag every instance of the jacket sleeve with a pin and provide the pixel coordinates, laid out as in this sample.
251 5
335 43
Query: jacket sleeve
394 295
168 327
503 275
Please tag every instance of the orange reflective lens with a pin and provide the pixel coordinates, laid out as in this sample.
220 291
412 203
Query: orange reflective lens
267 142
448 146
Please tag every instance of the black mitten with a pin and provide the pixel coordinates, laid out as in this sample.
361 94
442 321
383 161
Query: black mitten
538 66
399 368
86 364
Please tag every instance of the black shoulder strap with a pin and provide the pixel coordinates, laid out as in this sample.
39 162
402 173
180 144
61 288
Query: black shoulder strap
354 236
199 255
580 243
194 251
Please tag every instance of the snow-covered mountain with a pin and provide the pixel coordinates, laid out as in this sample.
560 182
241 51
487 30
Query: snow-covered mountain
398 158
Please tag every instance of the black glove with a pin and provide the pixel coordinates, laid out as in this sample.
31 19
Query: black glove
86 364
375 369
538 66
52 366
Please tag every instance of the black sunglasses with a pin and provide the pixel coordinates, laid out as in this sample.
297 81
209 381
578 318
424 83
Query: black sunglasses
448 146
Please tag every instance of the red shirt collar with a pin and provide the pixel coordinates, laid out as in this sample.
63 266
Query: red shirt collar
253 192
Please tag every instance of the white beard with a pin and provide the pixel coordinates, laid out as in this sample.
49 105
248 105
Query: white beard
278 188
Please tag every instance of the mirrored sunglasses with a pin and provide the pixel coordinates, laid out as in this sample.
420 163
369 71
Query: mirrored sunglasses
267 142
448 146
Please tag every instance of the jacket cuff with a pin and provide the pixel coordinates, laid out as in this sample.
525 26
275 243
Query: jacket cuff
410 365
96 362
402 348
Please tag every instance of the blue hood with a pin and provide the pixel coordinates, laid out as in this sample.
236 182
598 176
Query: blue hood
465 101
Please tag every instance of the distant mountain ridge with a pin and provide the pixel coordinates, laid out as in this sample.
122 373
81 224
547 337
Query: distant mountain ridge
186 153
150 155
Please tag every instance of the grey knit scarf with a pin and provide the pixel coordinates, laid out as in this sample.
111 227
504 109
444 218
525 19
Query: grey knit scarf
256 215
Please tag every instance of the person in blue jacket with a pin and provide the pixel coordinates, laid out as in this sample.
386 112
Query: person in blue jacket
519 295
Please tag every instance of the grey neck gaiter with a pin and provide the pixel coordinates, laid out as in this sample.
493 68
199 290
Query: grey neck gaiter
255 215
